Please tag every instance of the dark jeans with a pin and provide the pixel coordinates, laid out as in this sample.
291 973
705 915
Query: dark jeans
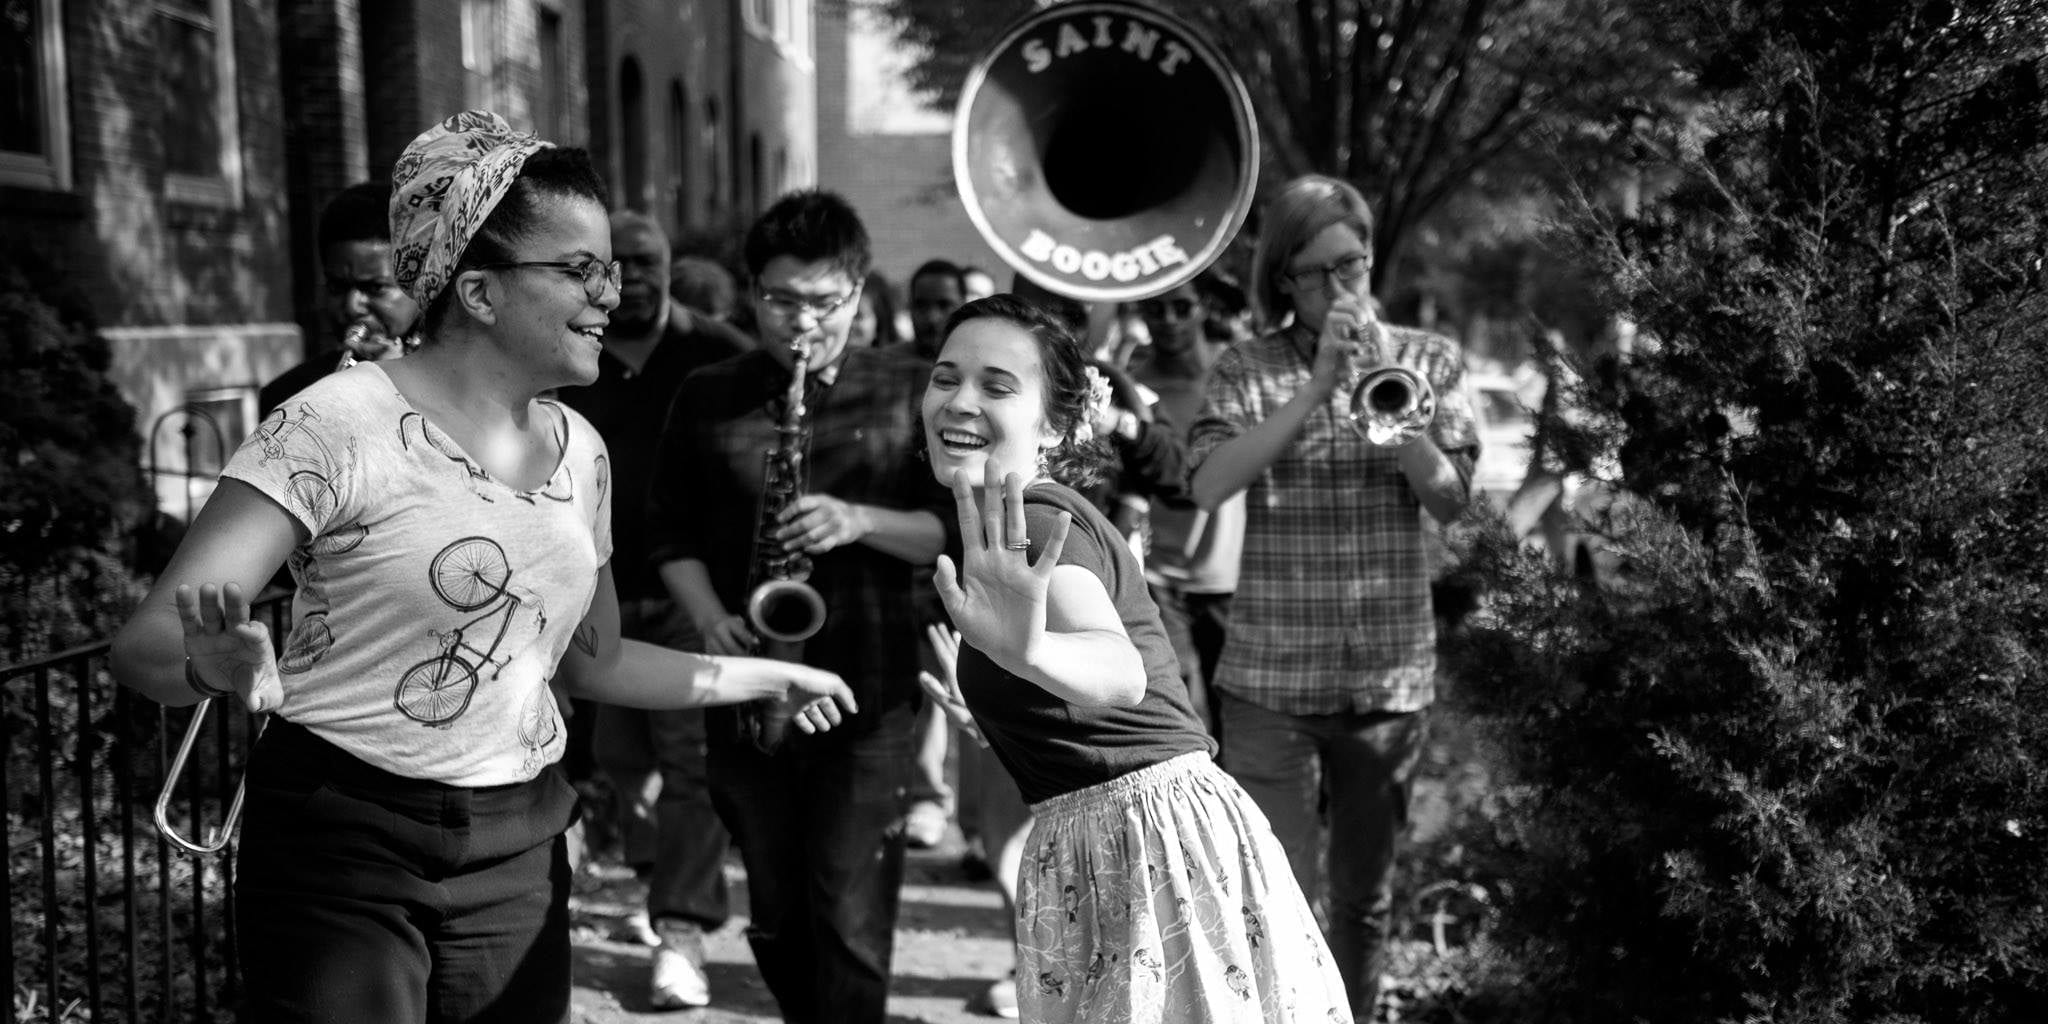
655 762
367 897
816 825
1359 770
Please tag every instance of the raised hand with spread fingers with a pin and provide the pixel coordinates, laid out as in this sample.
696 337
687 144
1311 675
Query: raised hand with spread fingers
997 596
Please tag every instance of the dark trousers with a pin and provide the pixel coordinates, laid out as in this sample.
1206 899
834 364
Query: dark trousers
368 897
815 825
1353 772
655 762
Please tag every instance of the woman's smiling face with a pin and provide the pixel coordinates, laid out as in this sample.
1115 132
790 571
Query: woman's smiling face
986 403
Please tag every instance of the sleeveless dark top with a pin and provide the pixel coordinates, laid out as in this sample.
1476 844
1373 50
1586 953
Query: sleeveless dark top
1052 747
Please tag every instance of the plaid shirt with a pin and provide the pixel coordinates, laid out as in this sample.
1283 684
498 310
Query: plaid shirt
1332 611
706 503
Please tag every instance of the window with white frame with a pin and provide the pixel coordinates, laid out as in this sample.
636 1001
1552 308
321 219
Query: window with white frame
787 23
480 54
35 129
195 42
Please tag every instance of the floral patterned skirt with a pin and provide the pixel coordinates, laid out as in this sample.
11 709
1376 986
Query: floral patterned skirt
1161 897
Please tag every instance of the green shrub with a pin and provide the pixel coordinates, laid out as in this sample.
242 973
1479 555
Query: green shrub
71 485
1789 770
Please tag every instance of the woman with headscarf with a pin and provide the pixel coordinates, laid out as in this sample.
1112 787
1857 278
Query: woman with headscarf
449 530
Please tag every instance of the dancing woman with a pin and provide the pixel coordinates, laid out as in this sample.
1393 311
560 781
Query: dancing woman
1152 889
449 529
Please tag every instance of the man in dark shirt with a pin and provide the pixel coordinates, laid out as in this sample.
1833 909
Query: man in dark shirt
655 759
354 239
815 816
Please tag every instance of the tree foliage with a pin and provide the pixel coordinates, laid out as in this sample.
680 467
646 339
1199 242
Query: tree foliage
70 479
1422 103
1789 767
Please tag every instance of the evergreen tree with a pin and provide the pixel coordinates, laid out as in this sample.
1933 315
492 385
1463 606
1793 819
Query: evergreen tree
1787 766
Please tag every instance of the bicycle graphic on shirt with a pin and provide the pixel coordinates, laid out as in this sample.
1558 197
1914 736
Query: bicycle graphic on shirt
469 575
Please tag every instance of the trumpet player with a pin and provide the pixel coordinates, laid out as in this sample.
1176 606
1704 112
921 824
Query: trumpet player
365 314
840 506
1330 660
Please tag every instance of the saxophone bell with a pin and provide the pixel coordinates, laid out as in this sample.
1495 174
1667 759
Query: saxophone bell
786 611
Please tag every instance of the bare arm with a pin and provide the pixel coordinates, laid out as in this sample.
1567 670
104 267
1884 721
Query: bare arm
817 523
1434 478
240 537
689 583
601 666
1237 462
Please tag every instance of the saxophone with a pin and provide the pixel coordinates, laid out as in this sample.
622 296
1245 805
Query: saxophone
782 608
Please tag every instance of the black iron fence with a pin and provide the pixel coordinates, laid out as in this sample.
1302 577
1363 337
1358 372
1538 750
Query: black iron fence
107 921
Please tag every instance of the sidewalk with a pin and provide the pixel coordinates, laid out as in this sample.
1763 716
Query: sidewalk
952 938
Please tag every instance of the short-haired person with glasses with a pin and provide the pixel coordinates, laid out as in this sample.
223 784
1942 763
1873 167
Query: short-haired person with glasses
449 526
1330 660
815 822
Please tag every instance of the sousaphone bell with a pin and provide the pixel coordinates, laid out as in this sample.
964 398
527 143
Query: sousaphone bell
1105 150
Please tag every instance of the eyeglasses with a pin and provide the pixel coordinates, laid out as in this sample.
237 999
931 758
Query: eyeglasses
1347 271
788 306
594 273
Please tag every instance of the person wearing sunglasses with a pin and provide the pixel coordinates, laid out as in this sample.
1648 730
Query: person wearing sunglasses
402 854
817 822
1330 661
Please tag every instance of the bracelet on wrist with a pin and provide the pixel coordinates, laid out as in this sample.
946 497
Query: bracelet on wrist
199 685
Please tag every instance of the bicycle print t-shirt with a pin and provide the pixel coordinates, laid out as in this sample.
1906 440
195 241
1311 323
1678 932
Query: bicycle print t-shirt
434 600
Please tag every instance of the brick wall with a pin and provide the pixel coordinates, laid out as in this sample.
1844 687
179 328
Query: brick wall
683 50
901 184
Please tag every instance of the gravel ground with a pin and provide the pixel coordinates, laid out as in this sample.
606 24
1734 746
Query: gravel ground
952 937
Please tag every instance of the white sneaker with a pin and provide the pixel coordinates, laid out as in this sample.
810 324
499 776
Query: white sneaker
677 980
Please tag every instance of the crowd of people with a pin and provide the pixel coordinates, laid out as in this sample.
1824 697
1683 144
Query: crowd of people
1120 596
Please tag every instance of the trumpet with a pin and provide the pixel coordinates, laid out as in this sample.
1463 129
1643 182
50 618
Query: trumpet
219 838
359 332
1392 405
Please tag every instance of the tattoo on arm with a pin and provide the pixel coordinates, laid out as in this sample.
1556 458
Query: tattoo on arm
585 639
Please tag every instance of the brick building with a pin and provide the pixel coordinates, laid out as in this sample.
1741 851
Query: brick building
701 112
888 152
171 157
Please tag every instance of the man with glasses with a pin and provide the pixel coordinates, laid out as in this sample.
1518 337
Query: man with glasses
654 760
815 817
1330 662
367 315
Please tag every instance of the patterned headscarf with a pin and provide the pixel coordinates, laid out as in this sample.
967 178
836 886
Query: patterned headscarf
443 187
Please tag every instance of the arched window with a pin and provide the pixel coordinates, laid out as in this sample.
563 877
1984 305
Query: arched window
632 136
758 174
678 155
715 197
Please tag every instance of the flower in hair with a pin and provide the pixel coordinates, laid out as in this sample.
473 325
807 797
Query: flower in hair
1098 398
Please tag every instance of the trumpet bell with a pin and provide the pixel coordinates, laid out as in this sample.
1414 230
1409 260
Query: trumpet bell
1105 150
1392 406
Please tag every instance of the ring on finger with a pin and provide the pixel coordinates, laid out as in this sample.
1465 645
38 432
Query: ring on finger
1018 545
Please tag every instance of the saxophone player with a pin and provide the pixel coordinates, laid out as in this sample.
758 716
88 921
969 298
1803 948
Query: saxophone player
855 518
